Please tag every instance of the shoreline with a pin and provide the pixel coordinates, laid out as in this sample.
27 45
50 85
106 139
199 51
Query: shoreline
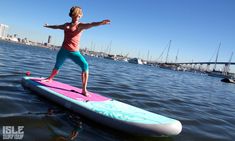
170 66
33 44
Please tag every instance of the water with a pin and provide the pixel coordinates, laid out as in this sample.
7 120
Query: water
203 104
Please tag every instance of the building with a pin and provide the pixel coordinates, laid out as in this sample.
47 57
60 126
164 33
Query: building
3 29
49 39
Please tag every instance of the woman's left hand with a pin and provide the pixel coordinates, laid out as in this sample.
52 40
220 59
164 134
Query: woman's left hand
106 22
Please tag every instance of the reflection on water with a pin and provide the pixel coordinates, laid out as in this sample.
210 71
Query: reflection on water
203 104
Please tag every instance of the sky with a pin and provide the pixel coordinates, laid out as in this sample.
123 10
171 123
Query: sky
139 28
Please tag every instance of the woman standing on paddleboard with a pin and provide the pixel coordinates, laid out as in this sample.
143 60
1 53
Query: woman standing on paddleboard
70 46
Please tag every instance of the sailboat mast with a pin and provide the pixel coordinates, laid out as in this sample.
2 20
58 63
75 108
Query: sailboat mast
230 58
148 56
110 45
176 57
160 57
168 51
227 67
217 56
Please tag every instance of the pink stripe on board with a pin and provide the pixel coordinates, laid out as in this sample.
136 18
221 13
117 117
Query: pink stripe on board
70 91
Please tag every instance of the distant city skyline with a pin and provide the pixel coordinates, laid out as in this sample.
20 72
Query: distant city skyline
139 28
3 30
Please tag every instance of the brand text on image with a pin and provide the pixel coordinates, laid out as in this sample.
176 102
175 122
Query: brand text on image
12 132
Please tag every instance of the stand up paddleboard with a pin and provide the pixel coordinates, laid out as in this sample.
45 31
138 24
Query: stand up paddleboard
106 111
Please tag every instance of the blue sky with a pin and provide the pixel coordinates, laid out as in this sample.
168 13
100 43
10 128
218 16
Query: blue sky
196 27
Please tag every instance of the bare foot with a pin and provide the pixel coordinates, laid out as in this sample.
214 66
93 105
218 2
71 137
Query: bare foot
85 93
47 80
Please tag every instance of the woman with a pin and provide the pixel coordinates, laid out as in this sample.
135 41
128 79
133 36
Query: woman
70 46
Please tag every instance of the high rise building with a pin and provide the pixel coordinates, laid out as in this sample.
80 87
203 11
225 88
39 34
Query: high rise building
49 39
3 29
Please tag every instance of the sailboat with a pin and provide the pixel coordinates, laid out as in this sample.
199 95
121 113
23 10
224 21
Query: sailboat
215 72
221 74
166 65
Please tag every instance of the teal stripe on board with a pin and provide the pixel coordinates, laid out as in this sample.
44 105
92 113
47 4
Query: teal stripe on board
125 112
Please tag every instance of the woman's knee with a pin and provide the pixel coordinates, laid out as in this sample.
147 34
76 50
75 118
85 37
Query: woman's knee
85 67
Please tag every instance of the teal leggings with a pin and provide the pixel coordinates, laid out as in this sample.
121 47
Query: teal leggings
76 56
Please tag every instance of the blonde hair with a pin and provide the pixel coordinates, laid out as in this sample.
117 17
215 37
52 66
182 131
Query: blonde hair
75 11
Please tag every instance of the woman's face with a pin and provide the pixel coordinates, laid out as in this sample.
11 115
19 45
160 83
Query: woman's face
76 18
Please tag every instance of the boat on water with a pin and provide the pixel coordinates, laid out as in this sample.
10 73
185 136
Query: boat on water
111 57
216 73
135 61
227 80
122 59
221 74
225 73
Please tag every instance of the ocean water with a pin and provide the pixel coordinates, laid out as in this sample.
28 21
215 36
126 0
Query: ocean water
204 105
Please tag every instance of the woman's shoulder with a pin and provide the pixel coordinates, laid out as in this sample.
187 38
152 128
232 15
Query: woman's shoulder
81 24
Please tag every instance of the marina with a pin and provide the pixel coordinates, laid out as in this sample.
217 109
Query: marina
177 66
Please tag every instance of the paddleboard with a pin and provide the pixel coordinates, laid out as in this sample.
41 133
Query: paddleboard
104 110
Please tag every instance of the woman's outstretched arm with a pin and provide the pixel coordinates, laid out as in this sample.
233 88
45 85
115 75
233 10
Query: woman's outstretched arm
93 24
55 26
